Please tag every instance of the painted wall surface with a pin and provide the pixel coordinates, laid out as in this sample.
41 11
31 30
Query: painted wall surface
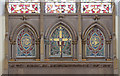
2 33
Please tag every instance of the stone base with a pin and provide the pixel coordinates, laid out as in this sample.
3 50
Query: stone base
75 59
37 59
12 60
47 59
83 59
61 68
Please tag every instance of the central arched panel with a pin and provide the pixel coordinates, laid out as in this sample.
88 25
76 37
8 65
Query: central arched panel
60 42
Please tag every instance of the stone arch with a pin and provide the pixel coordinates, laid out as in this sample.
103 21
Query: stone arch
105 31
21 26
69 29
65 24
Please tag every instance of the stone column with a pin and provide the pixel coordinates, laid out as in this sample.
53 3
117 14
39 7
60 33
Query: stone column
47 43
74 50
37 50
108 50
84 48
114 43
42 53
79 34
119 33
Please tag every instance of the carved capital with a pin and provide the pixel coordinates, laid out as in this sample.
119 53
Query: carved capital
84 41
47 42
12 42
108 42
37 42
74 42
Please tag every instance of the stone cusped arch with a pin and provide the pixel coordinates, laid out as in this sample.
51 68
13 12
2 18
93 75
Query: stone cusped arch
52 28
104 29
107 40
13 40
19 27
65 24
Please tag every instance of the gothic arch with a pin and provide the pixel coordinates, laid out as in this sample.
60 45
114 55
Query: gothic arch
105 31
65 24
19 27
71 31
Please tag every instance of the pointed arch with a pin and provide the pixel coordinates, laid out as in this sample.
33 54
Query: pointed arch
68 35
60 42
24 36
95 43
19 27
65 24
105 31
25 43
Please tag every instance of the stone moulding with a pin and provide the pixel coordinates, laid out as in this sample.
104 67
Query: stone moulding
96 65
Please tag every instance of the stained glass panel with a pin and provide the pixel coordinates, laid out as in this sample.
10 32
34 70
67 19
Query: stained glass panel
24 8
25 43
60 8
60 42
24 0
96 8
95 0
95 43
60 0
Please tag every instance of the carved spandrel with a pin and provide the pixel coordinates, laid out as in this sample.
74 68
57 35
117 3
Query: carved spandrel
24 18
96 18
